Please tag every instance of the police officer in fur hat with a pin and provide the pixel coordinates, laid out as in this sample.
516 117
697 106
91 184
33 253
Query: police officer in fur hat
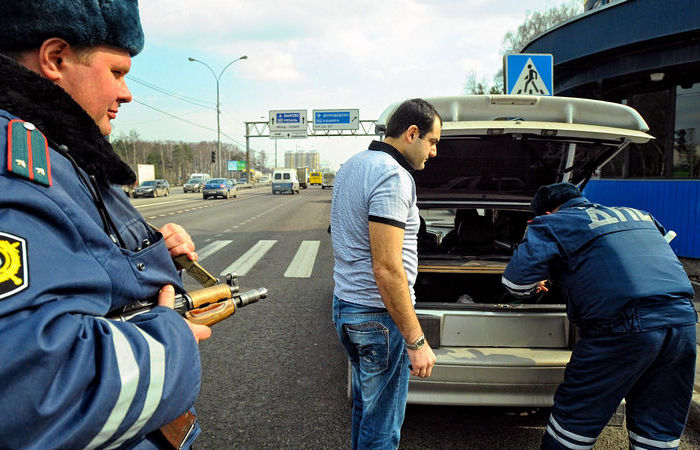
630 299
72 248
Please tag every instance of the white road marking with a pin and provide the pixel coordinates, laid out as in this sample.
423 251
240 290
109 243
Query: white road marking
246 262
212 248
303 262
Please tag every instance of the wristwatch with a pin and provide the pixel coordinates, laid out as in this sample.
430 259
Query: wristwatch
420 342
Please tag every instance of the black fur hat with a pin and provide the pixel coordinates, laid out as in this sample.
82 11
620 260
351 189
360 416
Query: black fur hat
26 24
549 197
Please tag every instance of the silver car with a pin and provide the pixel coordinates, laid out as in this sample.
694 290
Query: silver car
193 185
495 151
151 188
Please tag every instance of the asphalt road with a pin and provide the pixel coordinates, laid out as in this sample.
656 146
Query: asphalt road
274 374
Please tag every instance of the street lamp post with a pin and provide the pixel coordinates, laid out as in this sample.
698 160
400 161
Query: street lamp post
218 106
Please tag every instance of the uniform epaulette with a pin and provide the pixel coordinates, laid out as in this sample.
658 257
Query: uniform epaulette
28 152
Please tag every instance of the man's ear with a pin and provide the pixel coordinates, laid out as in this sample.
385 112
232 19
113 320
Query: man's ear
412 133
52 54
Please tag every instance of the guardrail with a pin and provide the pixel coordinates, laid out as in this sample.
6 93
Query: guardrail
253 186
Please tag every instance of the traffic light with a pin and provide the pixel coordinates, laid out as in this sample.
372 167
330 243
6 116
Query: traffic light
680 140
213 156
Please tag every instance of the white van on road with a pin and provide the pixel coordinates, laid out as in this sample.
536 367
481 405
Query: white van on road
285 180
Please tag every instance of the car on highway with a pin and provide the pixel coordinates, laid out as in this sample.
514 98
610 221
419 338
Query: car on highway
285 180
152 188
327 180
220 187
193 185
495 151
264 179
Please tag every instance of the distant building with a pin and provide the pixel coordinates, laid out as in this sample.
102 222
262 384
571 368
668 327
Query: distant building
302 158
645 54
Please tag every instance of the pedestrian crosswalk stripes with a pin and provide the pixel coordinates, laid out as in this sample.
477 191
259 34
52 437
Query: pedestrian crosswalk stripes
248 259
212 248
301 265
303 262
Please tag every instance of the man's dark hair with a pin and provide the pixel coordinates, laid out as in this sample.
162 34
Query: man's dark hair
416 112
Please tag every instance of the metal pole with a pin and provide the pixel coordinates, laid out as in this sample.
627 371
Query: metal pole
218 110
218 131
247 147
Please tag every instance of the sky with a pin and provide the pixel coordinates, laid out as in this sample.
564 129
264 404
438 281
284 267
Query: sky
305 54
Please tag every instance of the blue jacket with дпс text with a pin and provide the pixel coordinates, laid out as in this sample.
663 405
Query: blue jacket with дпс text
613 266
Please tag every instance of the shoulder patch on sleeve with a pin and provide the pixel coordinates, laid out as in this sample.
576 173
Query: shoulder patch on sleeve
14 273
28 152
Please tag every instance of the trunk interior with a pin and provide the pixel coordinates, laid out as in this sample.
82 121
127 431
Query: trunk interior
462 255
460 299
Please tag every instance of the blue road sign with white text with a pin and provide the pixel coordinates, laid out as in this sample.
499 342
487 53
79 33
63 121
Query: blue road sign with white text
292 117
331 117
336 119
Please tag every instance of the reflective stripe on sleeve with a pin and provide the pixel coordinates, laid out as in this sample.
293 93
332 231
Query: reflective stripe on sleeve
129 375
155 388
658 444
518 289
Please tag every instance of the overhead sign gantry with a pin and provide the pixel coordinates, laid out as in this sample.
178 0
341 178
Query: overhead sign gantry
293 124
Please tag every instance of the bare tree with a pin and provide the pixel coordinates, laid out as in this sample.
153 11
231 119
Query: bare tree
537 23
515 41
474 85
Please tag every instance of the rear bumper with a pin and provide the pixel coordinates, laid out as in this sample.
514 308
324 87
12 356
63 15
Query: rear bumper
485 376
282 187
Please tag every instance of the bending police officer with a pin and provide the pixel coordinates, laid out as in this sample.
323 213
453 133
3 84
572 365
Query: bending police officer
630 298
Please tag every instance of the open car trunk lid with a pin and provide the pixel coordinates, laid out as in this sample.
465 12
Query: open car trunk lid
495 152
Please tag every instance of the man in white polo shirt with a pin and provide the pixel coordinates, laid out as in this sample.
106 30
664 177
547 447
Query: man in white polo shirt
374 223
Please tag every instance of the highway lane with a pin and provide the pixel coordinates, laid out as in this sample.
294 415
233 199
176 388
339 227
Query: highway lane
274 374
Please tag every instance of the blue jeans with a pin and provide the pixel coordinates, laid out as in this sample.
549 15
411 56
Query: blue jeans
380 372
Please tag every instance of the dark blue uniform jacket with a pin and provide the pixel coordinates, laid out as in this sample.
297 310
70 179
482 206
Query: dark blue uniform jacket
613 266
69 378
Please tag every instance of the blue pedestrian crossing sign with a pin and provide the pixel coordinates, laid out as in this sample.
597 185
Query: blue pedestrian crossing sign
529 74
